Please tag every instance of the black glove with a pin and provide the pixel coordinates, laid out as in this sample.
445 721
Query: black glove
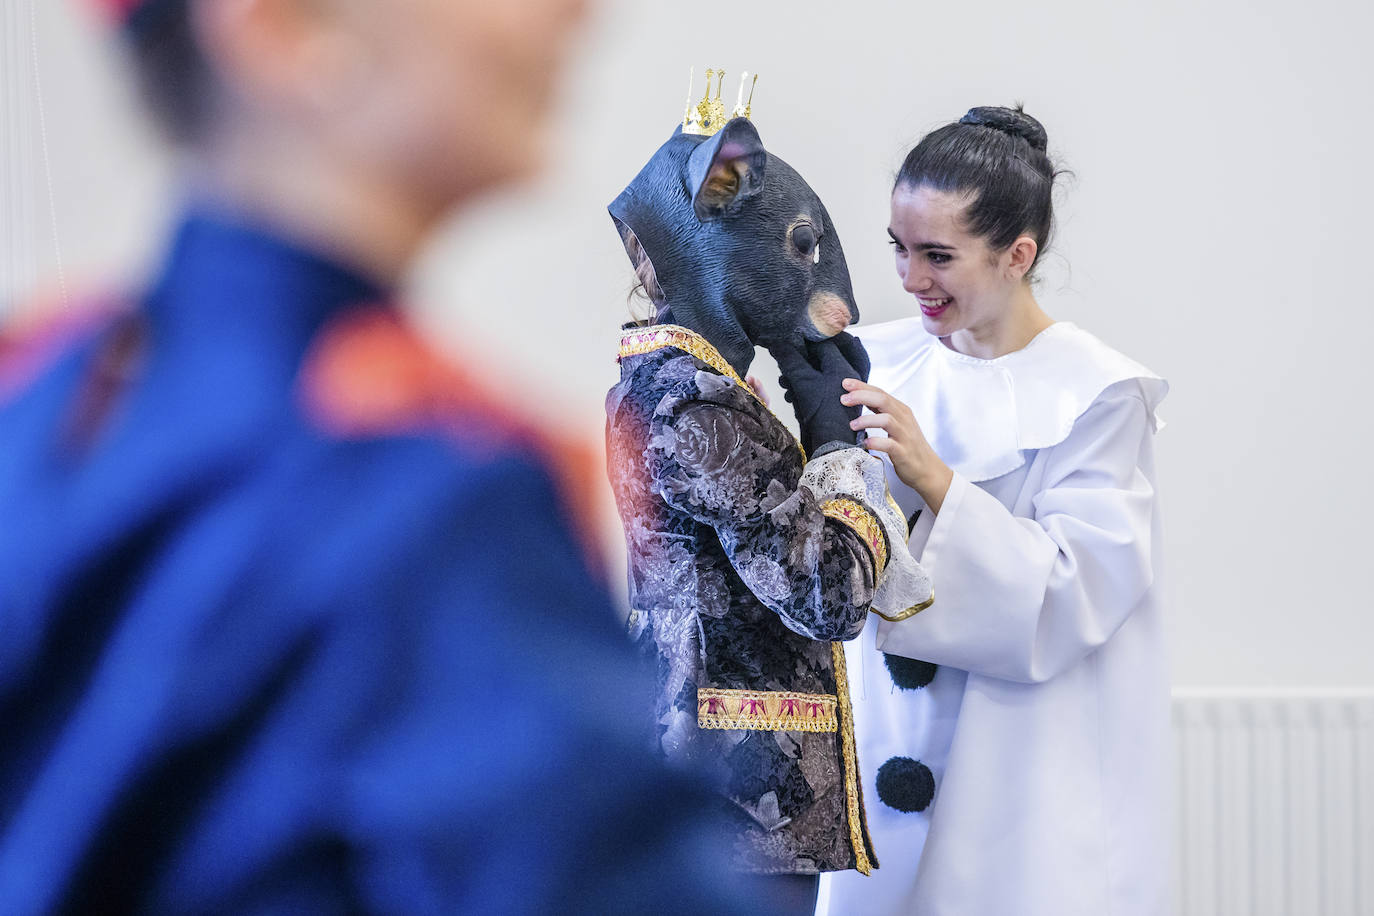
811 376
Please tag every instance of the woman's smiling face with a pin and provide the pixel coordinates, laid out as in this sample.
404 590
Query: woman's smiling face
958 281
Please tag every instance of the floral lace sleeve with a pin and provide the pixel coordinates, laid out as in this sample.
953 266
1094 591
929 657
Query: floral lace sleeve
715 453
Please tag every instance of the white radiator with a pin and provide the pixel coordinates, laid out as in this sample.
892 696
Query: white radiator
1274 802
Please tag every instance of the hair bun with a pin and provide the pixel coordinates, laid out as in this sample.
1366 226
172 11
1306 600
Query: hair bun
1012 121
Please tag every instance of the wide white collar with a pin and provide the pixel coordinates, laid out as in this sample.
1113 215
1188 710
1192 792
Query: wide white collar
982 415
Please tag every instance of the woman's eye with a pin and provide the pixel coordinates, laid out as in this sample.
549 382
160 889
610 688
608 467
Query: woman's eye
939 257
897 246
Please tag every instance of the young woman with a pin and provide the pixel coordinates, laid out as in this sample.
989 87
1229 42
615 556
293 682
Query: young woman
294 615
1013 736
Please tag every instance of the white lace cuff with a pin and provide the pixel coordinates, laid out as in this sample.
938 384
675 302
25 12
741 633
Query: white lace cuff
850 485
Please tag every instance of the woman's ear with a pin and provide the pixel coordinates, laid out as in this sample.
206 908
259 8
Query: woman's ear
1022 257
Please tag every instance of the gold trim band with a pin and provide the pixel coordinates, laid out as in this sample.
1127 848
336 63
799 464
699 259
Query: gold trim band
853 804
765 710
908 613
638 341
854 516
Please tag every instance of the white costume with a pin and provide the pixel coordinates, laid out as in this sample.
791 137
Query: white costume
1046 725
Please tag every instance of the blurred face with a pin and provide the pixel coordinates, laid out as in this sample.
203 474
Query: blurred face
960 284
448 95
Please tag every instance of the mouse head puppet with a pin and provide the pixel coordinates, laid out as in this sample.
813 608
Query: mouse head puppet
730 241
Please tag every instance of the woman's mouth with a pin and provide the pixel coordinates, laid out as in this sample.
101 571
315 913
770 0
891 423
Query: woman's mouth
933 308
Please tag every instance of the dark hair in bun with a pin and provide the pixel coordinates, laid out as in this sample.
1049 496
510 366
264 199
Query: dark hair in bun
999 156
1012 121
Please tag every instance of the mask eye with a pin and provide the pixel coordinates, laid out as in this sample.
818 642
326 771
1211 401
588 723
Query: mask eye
805 240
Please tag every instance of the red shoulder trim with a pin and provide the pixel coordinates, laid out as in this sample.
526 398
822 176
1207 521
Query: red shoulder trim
38 337
370 374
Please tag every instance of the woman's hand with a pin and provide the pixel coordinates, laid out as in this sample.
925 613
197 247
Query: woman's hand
914 460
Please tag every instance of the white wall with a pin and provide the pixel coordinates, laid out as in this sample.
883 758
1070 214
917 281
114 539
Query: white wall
1215 230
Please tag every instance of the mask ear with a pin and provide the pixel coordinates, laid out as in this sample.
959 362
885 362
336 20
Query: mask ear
726 169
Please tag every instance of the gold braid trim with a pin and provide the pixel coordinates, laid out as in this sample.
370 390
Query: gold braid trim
853 515
637 341
915 608
908 613
765 710
858 825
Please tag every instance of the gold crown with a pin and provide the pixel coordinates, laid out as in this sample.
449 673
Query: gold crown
708 115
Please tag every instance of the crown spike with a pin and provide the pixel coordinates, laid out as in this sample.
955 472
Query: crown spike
709 115
743 108
691 79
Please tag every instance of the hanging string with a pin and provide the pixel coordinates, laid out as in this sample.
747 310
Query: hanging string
24 108
10 255
47 159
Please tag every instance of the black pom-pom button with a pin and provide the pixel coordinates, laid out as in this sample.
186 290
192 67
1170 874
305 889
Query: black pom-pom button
906 784
909 673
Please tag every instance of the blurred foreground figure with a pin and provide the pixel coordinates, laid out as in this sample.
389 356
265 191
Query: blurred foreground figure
293 618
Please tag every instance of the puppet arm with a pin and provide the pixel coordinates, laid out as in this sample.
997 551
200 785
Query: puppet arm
716 454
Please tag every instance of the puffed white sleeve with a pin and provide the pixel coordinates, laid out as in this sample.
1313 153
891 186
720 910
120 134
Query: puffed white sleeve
1023 599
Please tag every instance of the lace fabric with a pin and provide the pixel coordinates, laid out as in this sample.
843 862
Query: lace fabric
852 473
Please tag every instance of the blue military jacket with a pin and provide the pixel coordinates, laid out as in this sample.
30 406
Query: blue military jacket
289 622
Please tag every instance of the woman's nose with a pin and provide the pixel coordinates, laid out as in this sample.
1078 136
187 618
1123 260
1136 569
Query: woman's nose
915 281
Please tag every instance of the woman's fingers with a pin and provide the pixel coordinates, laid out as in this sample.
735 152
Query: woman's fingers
871 421
867 395
875 399
890 415
904 444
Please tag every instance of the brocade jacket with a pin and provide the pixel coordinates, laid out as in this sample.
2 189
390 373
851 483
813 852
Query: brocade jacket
747 567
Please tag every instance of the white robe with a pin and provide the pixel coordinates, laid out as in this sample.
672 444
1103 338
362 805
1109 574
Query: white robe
1046 726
